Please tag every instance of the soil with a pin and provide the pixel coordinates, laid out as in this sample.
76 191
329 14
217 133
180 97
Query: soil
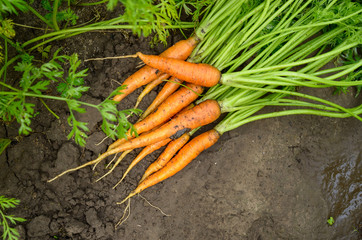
278 178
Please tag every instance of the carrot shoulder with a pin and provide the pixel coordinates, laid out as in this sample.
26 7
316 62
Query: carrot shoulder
197 73
180 50
188 153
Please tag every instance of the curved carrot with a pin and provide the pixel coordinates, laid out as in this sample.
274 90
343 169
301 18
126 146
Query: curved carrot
200 115
169 88
151 86
197 73
147 150
189 152
171 106
171 149
180 50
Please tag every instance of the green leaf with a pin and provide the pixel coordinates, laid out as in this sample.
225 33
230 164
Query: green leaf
10 6
111 4
73 88
330 221
46 5
40 86
6 28
4 142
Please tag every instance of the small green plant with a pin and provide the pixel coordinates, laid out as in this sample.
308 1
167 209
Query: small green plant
56 16
35 80
330 221
147 16
9 232
4 142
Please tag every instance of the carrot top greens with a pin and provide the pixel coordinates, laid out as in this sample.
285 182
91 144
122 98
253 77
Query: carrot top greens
275 47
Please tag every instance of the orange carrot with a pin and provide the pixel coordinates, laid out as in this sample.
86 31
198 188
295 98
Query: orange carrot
171 106
197 73
189 152
169 88
200 115
177 134
147 150
151 86
180 50
171 149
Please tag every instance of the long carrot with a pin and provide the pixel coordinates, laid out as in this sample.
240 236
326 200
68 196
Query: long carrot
189 152
170 107
151 86
171 149
147 150
180 50
197 73
169 88
200 115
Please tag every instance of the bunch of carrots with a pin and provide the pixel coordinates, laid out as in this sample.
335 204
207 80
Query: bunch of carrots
248 55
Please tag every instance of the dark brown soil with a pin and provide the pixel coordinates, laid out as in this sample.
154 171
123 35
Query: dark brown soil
269 179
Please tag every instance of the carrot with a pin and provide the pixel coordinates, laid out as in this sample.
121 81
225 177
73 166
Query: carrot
151 86
200 115
166 155
197 73
188 153
171 106
147 150
169 88
180 50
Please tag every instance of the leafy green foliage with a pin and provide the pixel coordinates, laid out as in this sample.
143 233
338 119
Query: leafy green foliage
338 11
73 86
36 80
115 123
15 105
351 56
4 142
6 28
9 233
66 15
147 16
79 129
44 51
10 6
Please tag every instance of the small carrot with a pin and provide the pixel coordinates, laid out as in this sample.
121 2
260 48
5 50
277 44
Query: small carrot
200 115
180 50
147 150
151 86
170 107
171 149
169 88
188 153
197 73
